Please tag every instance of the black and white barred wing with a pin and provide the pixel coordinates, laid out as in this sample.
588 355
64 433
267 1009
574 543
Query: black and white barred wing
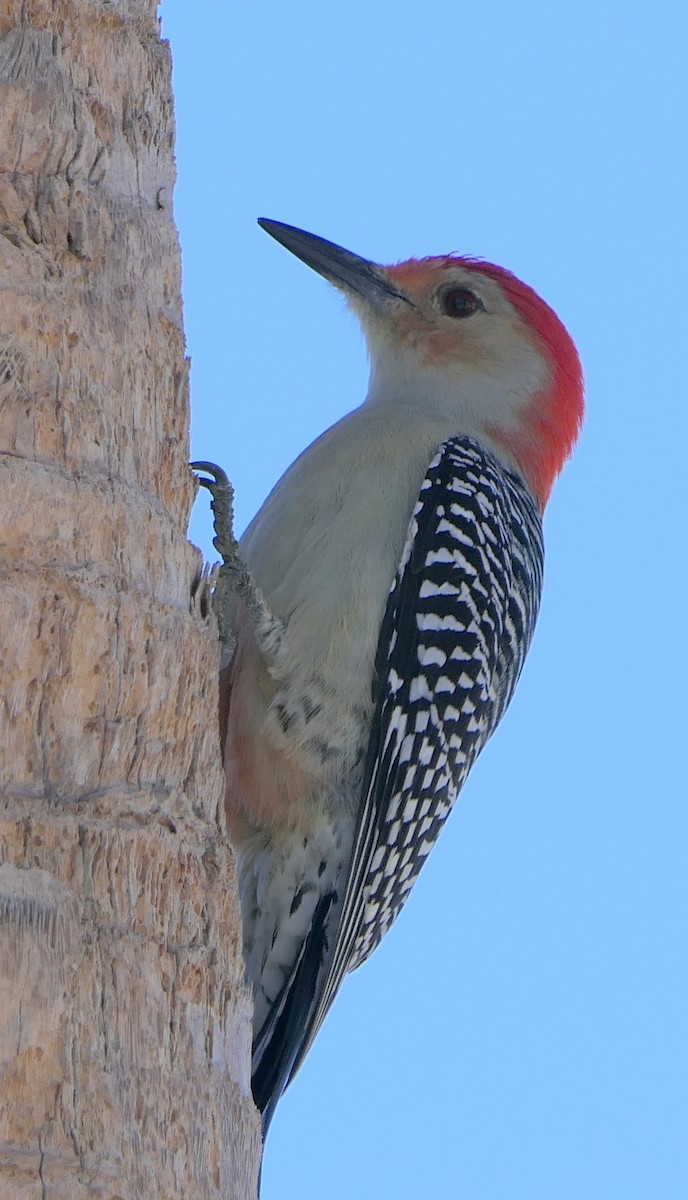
458 623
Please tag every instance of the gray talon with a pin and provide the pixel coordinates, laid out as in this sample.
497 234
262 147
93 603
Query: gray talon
233 580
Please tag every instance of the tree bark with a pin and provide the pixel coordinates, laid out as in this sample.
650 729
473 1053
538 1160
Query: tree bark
124 1021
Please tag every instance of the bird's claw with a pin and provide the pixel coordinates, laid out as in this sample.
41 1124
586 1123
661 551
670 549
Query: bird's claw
218 478
232 580
203 590
222 504
225 581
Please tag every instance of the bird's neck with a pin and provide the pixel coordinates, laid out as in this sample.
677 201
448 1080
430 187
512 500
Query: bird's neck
455 403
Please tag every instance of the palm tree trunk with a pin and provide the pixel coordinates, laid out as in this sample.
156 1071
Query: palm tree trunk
124 1022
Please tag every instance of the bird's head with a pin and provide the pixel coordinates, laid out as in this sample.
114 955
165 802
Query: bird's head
456 338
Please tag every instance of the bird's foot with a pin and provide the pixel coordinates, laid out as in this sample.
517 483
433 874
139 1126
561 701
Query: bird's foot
232 580
202 590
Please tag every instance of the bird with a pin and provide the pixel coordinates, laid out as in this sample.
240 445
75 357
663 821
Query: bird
377 613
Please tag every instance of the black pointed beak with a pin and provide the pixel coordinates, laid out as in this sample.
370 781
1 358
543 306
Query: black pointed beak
339 266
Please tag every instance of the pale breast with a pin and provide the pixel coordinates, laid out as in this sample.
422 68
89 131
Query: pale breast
324 548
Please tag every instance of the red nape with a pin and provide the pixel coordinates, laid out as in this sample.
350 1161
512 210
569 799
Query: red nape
557 421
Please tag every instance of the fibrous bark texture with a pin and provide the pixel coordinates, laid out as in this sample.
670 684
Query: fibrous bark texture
124 1022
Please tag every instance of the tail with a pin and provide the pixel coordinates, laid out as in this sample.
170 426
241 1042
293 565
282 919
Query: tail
278 1045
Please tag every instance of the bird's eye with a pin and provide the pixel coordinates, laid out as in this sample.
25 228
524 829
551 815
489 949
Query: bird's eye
459 302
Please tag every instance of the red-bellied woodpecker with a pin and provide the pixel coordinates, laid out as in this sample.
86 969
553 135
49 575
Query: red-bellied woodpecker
382 604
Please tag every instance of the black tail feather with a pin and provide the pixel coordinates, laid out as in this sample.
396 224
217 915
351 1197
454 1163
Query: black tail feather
273 1072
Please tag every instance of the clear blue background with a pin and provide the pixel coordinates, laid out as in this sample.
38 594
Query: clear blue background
521 1033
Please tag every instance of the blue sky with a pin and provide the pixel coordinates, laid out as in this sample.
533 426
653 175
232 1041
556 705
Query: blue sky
521 1032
